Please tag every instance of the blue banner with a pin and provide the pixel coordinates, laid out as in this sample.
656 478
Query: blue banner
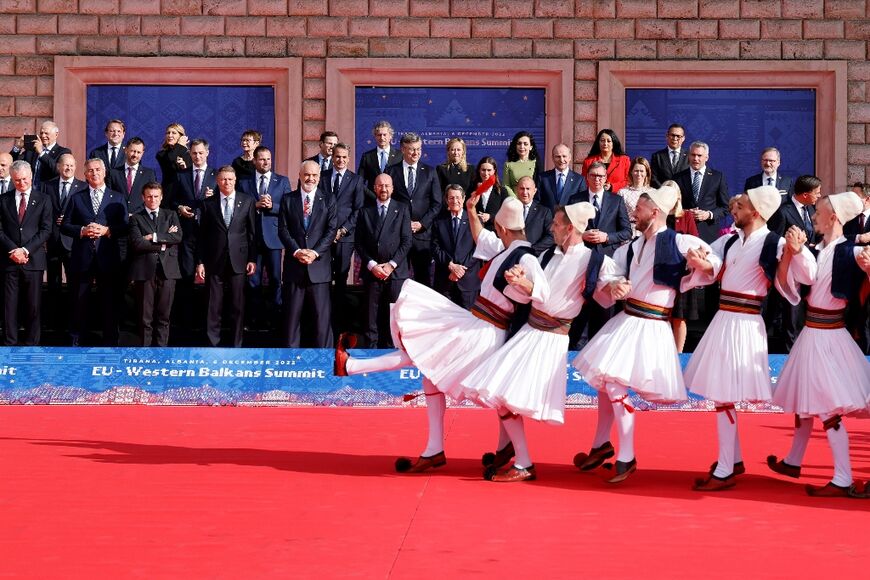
232 376
736 123
218 114
485 118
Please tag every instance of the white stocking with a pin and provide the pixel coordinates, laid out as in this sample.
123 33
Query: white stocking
727 432
386 362
838 439
799 442
605 420
436 405
514 426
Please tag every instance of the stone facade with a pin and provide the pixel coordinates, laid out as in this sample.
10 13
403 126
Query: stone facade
33 32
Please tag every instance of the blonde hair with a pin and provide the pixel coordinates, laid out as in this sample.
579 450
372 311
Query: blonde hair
178 127
678 210
463 162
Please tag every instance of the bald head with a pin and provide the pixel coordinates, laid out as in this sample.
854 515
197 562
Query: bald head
5 165
561 157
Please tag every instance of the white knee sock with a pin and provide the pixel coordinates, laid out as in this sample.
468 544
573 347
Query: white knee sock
838 439
514 427
386 362
503 437
727 432
738 453
799 442
605 420
625 432
436 405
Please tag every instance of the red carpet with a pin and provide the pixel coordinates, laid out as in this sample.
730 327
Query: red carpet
149 492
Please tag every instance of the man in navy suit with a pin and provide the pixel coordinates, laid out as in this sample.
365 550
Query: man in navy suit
186 198
770 159
328 139
306 226
453 246
44 153
416 184
154 237
383 239
704 192
226 253
131 177
375 161
558 185
671 160
267 189
798 210
537 217
25 225
112 151
347 192
96 219
608 230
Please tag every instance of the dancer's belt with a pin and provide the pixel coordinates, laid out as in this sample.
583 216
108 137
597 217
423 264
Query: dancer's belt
736 302
543 321
492 313
641 309
825 319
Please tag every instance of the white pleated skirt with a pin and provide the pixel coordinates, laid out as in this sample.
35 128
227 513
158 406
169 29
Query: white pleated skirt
730 363
444 341
826 373
634 352
527 376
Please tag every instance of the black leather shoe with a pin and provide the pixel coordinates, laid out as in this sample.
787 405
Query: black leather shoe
713 483
406 465
739 468
595 457
828 490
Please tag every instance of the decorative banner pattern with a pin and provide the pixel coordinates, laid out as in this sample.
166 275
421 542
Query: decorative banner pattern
218 114
736 123
486 119
226 376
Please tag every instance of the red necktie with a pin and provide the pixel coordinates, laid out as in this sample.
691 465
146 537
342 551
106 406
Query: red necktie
22 208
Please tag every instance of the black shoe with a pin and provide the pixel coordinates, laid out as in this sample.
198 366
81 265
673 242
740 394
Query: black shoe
500 458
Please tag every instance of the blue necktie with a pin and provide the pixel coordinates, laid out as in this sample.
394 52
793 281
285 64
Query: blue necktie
383 160
696 187
808 222
560 186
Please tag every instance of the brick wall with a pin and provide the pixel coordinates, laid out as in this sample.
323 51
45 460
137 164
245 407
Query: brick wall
32 32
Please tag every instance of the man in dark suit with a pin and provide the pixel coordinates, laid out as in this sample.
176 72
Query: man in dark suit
328 139
383 239
416 184
25 225
42 153
858 230
453 246
798 210
346 190
60 190
375 161
112 151
154 237
537 217
131 177
96 219
226 252
556 186
770 159
306 226
668 162
704 192
267 189
609 229
6 162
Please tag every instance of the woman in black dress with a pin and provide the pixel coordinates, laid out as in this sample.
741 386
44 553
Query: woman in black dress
173 157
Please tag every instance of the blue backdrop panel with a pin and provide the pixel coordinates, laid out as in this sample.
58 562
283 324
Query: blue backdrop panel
485 118
219 114
225 376
736 124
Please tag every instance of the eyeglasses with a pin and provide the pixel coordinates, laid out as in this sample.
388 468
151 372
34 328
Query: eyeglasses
673 136
597 176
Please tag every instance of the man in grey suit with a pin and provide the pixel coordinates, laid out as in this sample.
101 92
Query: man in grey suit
667 162
155 233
